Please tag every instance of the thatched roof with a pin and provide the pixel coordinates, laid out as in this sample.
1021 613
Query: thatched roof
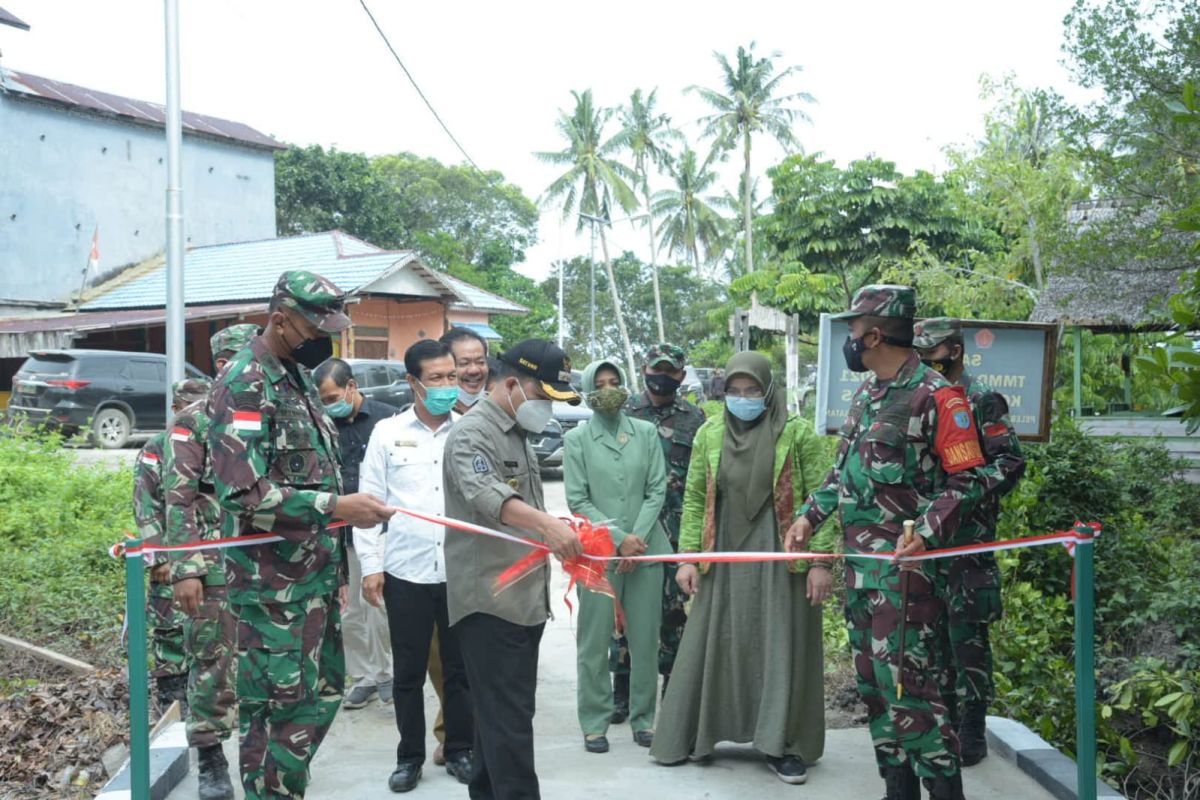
1127 280
1109 301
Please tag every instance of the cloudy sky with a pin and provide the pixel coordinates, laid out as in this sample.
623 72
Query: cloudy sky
899 80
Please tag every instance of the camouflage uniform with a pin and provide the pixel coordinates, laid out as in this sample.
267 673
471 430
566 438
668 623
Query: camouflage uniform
973 593
677 424
166 620
276 468
193 515
232 339
908 451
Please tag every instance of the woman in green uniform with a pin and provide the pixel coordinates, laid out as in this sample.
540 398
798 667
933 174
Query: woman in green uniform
750 665
615 473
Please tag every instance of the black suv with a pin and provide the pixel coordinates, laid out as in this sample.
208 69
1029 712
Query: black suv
381 380
118 395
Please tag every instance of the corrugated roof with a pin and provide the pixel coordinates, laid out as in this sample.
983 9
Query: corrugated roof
245 271
479 299
7 18
140 111
83 322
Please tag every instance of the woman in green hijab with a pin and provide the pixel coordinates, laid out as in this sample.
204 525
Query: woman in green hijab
750 666
615 472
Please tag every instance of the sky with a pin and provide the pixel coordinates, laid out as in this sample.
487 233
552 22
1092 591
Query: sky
897 80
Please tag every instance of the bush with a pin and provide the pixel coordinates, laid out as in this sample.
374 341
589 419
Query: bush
1147 607
58 586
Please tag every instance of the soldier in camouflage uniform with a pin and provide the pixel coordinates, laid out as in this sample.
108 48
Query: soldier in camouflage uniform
210 630
973 593
149 511
275 469
677 421
909 451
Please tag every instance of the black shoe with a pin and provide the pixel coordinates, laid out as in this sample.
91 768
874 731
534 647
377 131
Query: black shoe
643 738
459 766
596 744
945 788
901 783
214 783
972 734
788 769
405 778
620 699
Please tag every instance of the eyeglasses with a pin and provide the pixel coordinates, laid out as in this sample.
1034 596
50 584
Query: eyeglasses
753 392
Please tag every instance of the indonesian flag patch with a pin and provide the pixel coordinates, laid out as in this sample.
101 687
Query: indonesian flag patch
148 458
247 422
180 434
957 441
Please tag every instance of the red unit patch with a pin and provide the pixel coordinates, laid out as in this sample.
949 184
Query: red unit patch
957 441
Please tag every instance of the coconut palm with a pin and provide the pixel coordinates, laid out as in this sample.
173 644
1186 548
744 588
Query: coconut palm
594 180
748 104
645 133
729 206
688 218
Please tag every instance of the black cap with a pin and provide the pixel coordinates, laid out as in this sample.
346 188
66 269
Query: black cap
546 362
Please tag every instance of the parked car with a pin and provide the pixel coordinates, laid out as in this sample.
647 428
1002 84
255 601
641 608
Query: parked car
693 385
548 445
113 395
705 376
385 381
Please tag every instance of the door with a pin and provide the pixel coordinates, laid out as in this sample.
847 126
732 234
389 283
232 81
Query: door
143 387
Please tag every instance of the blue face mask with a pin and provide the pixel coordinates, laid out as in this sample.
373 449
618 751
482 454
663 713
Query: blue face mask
746 409
341 409
439 400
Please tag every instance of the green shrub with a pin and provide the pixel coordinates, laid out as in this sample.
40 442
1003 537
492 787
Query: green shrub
58 586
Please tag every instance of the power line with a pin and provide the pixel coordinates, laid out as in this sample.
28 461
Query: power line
413 81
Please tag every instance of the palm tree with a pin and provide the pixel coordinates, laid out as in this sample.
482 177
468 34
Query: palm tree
749 105
644 133
729 206
593 181
689 220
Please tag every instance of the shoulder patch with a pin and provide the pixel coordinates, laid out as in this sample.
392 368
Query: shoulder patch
995 429
956 441
480 465
247 423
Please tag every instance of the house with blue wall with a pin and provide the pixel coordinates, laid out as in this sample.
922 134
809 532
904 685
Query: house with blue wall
78 165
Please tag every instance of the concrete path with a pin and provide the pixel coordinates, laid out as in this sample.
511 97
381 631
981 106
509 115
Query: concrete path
359 753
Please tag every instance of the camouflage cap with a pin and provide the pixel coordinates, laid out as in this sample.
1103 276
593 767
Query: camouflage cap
233 338
933 331
189 390
882 300
672 354
320 301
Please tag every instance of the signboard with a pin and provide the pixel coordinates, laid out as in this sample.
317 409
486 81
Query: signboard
1014 358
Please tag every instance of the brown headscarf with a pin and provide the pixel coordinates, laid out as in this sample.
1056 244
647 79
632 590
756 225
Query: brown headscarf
748 453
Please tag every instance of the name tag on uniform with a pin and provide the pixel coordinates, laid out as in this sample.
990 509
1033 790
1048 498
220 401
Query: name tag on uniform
404 443
513 464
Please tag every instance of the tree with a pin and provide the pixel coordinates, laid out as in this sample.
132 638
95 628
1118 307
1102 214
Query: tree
688 221
747 104
593 182
645 133
320 190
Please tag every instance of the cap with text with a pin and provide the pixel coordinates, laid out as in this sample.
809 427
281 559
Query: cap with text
546 362
929 333
882 300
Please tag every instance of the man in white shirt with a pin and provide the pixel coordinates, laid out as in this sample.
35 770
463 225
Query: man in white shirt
405 569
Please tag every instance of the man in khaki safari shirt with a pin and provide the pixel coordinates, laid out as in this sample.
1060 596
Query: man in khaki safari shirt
491 479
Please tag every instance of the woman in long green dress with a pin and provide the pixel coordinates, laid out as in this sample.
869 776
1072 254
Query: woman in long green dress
750 666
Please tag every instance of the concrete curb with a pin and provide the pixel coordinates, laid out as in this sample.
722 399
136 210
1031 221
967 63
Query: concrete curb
169 764
1034 756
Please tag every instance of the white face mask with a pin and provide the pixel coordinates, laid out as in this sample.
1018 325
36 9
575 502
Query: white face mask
533 415
468 399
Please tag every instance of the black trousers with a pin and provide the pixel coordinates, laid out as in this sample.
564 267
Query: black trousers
502 662
413 609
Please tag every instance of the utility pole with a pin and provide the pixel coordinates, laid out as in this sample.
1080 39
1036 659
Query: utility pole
562 268
174 130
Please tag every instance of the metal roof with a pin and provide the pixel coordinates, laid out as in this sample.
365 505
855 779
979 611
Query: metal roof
83 322
139 111
7 18
245 271
482 328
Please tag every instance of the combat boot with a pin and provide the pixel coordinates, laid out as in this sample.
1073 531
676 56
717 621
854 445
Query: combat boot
945 788
901 783
214 774
972 734
620 698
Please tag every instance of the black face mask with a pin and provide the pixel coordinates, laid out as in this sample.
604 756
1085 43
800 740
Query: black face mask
852 351
312 352
942 365
661 385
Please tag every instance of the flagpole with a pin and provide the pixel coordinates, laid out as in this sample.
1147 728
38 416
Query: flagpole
174 130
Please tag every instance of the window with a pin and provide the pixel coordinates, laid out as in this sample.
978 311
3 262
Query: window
149 371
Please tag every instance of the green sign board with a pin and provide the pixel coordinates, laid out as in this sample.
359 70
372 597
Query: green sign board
1014 358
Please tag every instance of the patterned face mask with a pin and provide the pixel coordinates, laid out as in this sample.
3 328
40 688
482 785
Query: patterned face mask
609 400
